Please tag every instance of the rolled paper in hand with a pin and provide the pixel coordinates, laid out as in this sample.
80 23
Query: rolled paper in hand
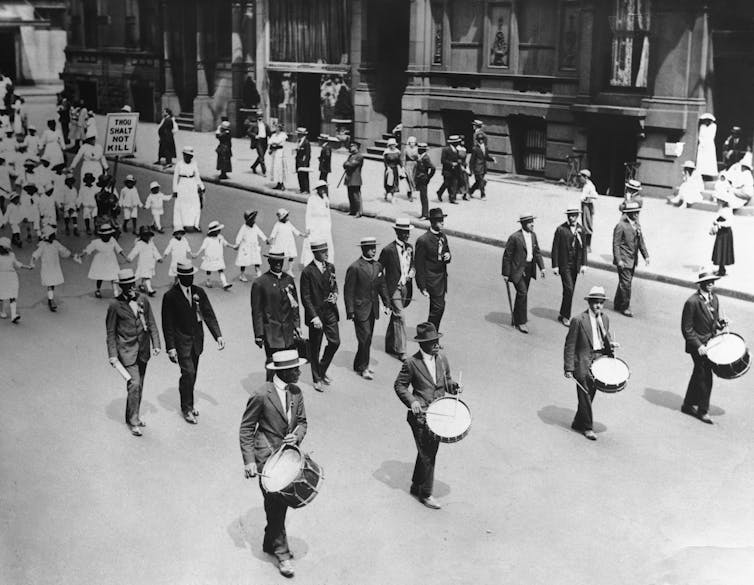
122 371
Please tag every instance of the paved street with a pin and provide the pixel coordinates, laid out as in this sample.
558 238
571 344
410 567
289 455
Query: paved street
659 499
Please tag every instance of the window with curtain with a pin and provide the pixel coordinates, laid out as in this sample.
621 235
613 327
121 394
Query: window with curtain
629 24
310 31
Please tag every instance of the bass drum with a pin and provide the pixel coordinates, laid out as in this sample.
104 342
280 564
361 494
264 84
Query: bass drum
292 474
729 355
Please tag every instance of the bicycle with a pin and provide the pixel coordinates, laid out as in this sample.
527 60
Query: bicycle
574 168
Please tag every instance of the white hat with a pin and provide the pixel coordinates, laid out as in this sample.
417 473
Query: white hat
130 178
689 164
126 109
188 150
706 274
707 116
281 213
392 142
285 359
154 184
574 207
4 243
126 276
214 226
368 241
586 173
596 292
402 223
319 184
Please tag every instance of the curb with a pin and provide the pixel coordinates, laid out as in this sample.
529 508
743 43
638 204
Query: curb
497 242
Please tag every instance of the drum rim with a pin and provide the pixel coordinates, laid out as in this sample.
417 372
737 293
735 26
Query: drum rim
454 438
728 334
278 454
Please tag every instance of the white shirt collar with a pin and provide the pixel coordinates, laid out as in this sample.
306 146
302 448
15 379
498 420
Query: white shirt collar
436 232
279 384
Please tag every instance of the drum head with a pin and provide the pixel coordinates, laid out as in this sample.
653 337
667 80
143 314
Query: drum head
282 468
726 348
448 418
610 371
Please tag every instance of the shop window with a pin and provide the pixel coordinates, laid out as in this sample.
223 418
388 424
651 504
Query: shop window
629 25
302 31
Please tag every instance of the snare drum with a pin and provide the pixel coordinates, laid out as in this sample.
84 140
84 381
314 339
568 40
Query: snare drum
448 419
729 355
610 374
293 475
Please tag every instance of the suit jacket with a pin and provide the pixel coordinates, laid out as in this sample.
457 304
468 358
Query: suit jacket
325 158
391 262
578 352
130 337
431 269
253 130
514 257
568 248
449 161
264 423
182 322
352 166
627 243
699 322
272 314
316 286
479 159
414 373
303 154
365 285
425 169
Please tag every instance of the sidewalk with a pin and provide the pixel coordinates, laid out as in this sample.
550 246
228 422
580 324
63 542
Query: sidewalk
678 239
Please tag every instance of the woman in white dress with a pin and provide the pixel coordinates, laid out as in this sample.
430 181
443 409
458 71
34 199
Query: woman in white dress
51 144
187 184
247 240
9 280
105 262
318 223
179 250
277 155
148 256
213 248
49 253
706 155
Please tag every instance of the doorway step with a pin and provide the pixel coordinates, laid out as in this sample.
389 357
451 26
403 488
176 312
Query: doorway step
185 121
375 151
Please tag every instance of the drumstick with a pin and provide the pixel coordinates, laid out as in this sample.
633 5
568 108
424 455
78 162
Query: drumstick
582 388
460 377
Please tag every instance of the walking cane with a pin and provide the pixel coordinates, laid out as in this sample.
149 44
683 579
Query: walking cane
343 176
510 302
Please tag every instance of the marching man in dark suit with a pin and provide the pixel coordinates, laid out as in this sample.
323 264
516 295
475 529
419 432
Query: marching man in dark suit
588 338
274 309
520 261
568 258
259 133
425 170
274 416
450 169
352 166
480 156
185 310
428 374
699 323
303 158
397 258
325 157
432 259
131 333
364 287
319 295
628 241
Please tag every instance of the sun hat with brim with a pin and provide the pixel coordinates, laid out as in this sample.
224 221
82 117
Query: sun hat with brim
34 128
249 213
477 123
706 274
526 217
215 226
573 209
48 230
319 246
426 332
437 213
225 124
185 269
154 184
633 184
630 207
29 162
586 173
689 164
129 178
126 276
179 230
368 241
423 145
145 231
402 223
707 116
301 130
188 150
105 229
285 359
126 109
281 213
4 243
320 184
597 293
275 255
392 142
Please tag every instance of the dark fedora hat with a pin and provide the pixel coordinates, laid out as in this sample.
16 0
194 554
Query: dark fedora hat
426 332
437 213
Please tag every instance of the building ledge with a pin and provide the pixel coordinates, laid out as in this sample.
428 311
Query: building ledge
610 110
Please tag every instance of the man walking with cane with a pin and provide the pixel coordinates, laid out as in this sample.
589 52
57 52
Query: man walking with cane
520 262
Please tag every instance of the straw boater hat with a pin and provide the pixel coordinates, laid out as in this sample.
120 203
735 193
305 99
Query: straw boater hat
689 164
301 130
249 213
573 208
630 207
437 213
286 359
596 292
524 217
4 243
402 223
320 184
633 184
154 184
105 229
281 213
707 116
214 226
185 269
324 137
454 138
34 128
586 173
275 255
126 276
477 123
188 150
426 332
706 274
367 241
422 145
126 109
319 246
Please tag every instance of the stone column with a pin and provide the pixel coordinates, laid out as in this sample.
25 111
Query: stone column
168 99
237 69
414 103
204 117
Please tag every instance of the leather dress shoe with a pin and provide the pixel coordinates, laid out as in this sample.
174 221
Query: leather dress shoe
327 380
141 423
135 431
590 435
367 375
627 312
430 502
690 410
318 386
190 418
565 321
195 412
704 417
522 328
286 568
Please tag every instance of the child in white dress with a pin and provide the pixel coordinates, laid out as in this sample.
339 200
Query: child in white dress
49 253
47 208
214 260
155 203
282 237
147 254
247 240
30 209
70 206
14 215
86 200
179 250
9 280
105 262
129 202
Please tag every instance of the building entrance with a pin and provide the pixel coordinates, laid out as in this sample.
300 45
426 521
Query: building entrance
612 142
8 54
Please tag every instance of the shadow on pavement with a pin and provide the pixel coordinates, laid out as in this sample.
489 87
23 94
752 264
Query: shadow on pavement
116 410
498 318
563 417
673 401
397 475
544 313
344 359
248 531
253 381
170 399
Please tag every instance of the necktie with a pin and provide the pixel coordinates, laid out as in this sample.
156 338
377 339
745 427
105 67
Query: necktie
601 330
287 405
